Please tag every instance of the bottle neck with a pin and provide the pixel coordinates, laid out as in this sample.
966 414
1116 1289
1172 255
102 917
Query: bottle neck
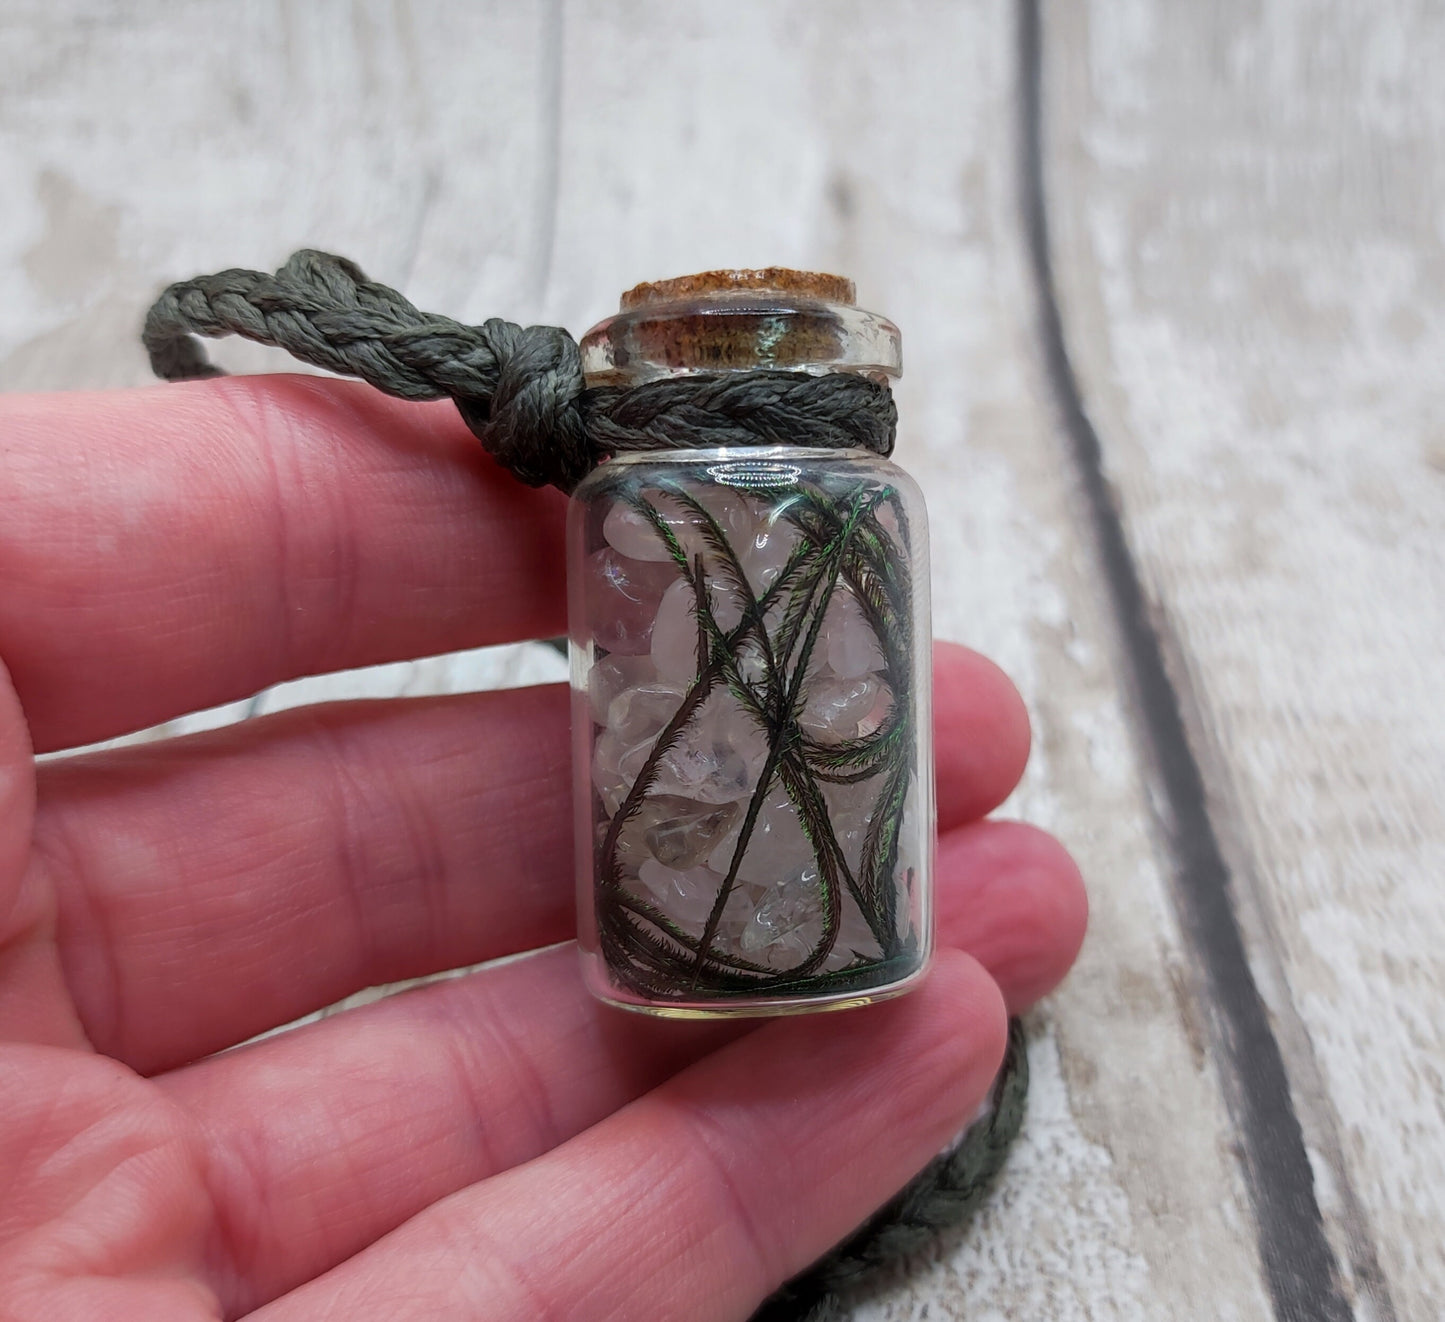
737 330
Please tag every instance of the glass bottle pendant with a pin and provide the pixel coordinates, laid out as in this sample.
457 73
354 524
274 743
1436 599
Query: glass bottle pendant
750 659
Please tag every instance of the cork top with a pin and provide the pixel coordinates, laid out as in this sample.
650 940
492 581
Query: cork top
740 320
769 279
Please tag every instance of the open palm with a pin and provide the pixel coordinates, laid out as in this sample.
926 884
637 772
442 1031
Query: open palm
492 1146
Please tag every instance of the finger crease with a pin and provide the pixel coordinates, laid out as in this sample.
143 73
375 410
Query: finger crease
347 796
473 1049
709 1152
102 1015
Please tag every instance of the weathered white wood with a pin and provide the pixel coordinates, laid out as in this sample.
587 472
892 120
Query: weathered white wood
141 141
1247 209
533 160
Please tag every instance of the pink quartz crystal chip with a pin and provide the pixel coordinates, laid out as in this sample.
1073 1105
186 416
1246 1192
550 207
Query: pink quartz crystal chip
852 646
835 708
622 596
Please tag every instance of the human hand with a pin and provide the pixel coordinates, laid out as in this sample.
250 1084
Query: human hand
492 1146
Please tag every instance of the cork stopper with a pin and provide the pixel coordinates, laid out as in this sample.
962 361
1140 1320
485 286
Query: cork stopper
740 320
769 279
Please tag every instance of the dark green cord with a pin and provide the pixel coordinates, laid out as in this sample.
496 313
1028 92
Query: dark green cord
945 1195
520 389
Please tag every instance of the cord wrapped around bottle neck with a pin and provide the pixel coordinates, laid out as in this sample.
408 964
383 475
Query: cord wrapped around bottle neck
519 389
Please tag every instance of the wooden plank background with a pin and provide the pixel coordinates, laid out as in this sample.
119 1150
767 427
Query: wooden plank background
1173 296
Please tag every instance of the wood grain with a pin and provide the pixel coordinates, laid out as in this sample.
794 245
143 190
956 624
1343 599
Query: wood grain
1248 251
1243 211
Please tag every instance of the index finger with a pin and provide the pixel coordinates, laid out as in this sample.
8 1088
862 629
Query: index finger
172 548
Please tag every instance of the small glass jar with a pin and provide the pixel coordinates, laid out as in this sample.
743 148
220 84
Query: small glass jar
751 670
